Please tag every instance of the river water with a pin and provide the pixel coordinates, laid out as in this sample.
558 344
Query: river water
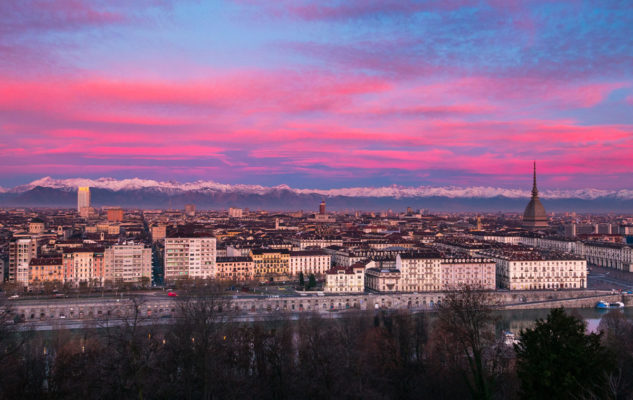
515 320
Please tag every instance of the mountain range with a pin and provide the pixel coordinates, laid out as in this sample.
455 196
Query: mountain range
145 193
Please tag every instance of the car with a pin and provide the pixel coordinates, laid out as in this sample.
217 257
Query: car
172 294
15 296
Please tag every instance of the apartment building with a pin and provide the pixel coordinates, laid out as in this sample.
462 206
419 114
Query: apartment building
128 263
309 262
604 254
475 272
270 263
342 279
383 280
523 268
45 269
22 249
234 269
190 255
420 271
84 265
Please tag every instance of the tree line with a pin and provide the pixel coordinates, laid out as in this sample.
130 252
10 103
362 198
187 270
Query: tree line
453 353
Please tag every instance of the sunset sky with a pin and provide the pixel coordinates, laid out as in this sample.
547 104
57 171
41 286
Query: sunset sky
319 94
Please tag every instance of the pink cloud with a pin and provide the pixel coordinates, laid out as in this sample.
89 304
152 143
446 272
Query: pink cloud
251 122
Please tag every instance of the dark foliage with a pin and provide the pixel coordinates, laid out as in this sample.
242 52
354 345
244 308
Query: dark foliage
557 360
373 355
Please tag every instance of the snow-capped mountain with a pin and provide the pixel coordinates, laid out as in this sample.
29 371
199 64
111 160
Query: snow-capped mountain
394 191
147 193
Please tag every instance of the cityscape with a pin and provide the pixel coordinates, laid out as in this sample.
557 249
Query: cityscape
316 199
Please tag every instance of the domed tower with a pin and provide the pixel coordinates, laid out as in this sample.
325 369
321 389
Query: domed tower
534 216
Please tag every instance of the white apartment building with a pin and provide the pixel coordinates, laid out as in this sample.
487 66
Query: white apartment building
345 279
475 272
420 272
128 262
190 256
21 252
519 268
610 255
603 254
382 280
309 262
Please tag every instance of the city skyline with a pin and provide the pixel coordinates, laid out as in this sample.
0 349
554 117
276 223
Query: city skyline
319 95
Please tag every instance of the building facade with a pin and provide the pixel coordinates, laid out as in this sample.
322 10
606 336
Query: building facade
83 265
383 280
128 263
345 279
304 242
604 254
309 262
234 269
420 272
191 256
270 263
159 232
21 250
235 212
83 198
521 268
479 273
114 214
45 269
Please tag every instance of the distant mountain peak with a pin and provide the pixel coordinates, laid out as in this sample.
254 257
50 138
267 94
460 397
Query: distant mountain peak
392 191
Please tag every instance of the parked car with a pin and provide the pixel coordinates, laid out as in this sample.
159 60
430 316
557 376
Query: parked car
172 294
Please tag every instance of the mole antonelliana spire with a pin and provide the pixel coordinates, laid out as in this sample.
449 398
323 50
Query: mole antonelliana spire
534 189
534 216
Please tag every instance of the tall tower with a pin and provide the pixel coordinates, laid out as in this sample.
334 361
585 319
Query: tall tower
534 216
322 207
83 198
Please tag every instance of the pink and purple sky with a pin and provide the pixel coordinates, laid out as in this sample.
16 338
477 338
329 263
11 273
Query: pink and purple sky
320 94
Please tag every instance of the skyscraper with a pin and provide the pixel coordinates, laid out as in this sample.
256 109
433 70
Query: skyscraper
83 198
322 207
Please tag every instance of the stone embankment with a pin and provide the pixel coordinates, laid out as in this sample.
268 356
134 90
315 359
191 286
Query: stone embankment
88 311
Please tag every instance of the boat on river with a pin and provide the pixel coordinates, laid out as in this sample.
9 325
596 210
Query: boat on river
603 305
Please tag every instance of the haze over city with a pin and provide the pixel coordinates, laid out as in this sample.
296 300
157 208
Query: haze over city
318 94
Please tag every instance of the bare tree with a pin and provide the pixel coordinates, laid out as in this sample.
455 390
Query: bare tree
197 339
466 323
